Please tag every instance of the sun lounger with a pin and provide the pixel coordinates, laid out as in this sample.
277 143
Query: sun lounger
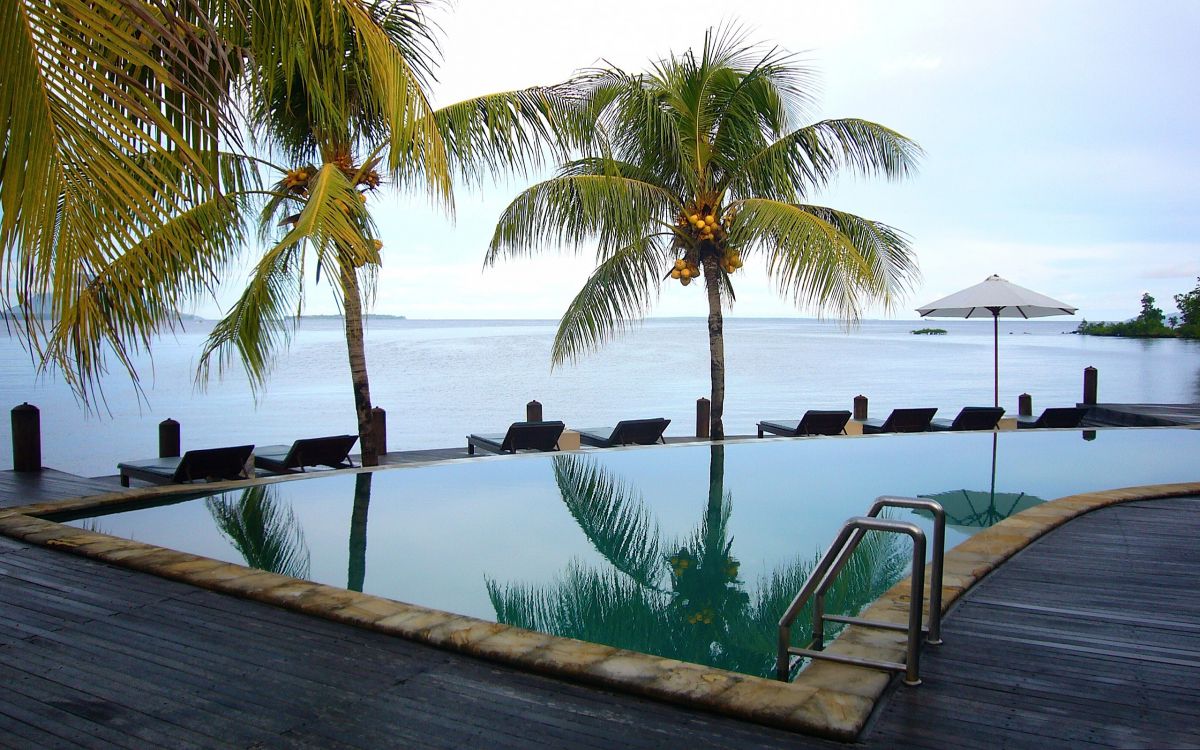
1055 416
535 436
627 432
971 418
206 463
901 420
815 422
332 451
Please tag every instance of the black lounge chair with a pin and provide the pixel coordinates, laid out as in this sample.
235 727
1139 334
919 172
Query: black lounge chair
1055 416
815 422
332 451
901 420
971 418
206 463
627 432
534 436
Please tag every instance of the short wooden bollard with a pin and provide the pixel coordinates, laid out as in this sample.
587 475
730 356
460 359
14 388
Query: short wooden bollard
533 411
26 438
1090 377
379 430
703 417
1025 405
860 408
168 438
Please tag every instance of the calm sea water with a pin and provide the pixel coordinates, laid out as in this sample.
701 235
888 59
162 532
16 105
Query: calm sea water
440 380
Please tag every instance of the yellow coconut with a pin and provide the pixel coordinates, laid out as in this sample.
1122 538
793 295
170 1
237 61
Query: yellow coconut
685 273
676 273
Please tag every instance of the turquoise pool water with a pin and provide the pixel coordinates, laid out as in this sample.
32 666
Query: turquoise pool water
687 551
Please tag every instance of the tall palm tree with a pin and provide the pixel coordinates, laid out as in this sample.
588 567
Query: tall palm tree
694 164
333 92
682 599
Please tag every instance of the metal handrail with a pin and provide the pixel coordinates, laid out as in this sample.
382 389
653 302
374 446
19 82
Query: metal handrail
831 564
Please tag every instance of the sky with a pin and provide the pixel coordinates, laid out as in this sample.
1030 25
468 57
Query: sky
1061 150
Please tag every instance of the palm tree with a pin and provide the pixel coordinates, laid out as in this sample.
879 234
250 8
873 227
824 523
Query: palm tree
695 164
334 92
682 599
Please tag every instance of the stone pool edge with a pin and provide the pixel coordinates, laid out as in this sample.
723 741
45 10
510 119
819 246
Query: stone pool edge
827 699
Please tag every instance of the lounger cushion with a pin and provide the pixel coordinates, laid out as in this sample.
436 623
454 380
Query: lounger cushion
206 463
626 432
971 418
902 420
538 436
332 451
815 422
1055 417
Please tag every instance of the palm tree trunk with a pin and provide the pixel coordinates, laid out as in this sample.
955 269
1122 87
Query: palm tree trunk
356 348
357 569
716 349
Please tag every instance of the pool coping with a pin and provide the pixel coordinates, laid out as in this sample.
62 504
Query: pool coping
827 699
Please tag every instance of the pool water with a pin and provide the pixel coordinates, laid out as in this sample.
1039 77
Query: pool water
686 551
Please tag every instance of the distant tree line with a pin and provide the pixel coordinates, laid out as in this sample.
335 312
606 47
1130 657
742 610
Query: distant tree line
1152 323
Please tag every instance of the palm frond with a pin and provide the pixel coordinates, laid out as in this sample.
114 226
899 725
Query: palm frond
815 262
139 293
111 114
618 293
616 211
336 226
511 130
803 161
263 530
612 517
598 607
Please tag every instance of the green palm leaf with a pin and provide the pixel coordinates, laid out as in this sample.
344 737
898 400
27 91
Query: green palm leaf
618 292
613 518
110 123
266 533
336 226
569 210
592 606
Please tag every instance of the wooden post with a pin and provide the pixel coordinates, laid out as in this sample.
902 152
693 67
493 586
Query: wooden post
703 414
860 408
168 438
533 411
379 429
1025 405
26 438
1090 377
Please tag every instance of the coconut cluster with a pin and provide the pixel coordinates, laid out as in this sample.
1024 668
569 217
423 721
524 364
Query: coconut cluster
705 236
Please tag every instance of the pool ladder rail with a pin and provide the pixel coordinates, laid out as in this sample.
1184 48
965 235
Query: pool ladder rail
831 564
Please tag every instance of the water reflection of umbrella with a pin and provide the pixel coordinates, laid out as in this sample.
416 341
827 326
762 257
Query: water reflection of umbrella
972 510
996 298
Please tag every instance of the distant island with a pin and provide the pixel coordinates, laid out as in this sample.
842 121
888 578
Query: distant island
930 331
368 316
1151 323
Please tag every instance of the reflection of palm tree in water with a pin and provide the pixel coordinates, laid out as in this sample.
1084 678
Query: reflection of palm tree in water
358 531
681 599
266 533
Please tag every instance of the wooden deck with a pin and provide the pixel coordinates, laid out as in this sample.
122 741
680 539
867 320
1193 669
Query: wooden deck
1088 638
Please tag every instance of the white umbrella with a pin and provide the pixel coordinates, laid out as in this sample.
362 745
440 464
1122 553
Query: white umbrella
995 298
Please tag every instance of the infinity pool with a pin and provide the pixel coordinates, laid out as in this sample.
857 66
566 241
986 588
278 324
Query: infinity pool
686 551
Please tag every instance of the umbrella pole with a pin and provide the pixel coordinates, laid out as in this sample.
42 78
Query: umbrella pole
996 357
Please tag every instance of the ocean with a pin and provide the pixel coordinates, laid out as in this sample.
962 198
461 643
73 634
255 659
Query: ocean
440 380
